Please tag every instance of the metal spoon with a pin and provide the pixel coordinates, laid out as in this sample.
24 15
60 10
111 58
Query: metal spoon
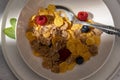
105 28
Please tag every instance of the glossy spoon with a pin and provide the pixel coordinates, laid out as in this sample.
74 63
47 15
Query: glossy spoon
105 28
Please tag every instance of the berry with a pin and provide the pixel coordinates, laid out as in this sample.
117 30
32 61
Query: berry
82 16
85 29
79 60
64 54
41 20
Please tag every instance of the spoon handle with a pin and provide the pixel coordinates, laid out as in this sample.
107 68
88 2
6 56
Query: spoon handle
105 28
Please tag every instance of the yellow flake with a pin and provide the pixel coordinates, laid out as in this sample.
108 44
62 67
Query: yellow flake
37 54
32 24
86 56
46 35
66 19
90 34
71 33
55 39
90 21
81 49
76 26
68 36
30 36
51 7
58 21
43 11
57 13
97 40
75 46
63 67
90 41
33 18
71 66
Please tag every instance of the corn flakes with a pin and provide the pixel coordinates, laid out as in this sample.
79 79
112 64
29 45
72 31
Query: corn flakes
30 36
76 26
43 11
46 35
63 67
58 21
90 41
51 7
60 33
71 66
37 54
86 56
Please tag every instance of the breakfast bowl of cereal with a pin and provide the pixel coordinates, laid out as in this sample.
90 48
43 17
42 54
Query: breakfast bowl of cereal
55 47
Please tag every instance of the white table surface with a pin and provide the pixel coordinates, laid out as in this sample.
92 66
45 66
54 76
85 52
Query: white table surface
5 72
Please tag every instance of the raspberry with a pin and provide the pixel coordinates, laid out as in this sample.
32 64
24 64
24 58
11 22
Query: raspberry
41 20
82 16
64 54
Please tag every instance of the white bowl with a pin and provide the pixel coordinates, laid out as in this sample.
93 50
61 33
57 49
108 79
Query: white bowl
101 14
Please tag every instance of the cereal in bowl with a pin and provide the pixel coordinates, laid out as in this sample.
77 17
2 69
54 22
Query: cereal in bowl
60 43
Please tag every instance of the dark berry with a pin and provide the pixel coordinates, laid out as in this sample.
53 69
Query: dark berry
41 20
85 29
79 60
64 54
82 16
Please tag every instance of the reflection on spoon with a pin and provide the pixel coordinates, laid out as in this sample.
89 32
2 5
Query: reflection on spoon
105 28
90 15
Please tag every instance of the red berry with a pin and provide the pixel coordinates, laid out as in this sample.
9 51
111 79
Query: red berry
82 16
41 20
64 54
